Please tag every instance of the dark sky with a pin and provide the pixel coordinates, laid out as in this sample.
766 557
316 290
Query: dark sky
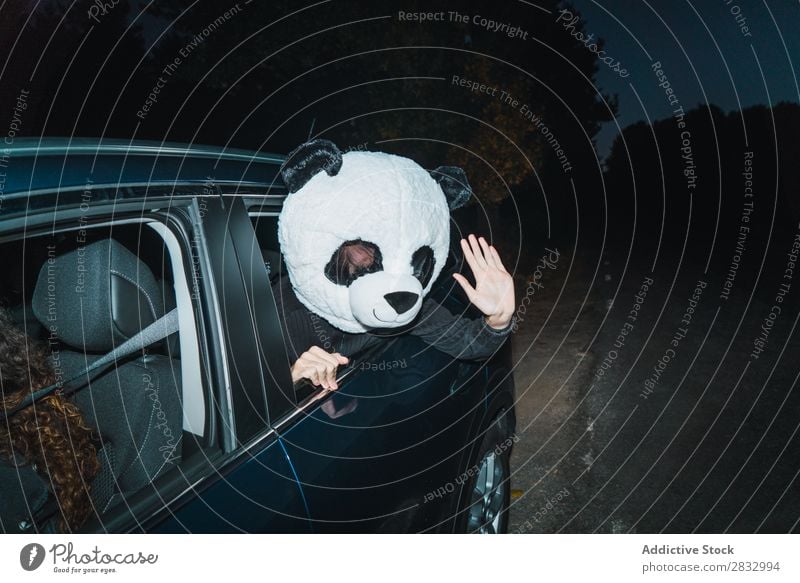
703 50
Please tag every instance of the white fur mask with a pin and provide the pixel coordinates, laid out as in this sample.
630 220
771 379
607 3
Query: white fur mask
394 213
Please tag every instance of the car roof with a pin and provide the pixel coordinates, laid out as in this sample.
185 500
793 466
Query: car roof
36 165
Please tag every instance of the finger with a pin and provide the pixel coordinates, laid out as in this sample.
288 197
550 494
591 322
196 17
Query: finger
318 350
487 254
305 370
312 374
332 378
324 358
318 368
468 289
334 358
327 365
313 360
323 378
327 374
469 257
497 260
297 371
476 251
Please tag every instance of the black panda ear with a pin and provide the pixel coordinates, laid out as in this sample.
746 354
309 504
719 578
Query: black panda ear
309 159
453 181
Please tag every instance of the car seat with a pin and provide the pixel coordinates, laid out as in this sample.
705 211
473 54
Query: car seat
92 299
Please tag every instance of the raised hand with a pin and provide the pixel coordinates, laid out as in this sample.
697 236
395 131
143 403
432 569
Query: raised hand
493 293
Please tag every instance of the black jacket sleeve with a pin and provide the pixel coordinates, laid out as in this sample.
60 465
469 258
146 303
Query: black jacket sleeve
459 336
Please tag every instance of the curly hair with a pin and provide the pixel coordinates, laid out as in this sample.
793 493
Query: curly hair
51 434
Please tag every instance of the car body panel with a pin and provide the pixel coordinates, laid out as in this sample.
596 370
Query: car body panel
256 492
82 169
371 455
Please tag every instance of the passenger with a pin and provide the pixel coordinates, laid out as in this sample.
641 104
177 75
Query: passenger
50 436
458 336
364 235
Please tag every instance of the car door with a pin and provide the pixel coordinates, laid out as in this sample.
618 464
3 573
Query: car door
386 451
252 487
232 475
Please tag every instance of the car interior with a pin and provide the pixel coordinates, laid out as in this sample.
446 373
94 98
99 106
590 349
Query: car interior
83 293
265 226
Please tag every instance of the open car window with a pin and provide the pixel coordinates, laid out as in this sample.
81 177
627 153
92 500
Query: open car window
79 293
265 225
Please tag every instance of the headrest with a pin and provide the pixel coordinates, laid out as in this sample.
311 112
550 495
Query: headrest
96 297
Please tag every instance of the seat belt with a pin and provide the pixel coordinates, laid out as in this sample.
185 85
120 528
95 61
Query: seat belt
158 330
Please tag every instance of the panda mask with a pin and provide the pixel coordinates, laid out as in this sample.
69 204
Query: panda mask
365 234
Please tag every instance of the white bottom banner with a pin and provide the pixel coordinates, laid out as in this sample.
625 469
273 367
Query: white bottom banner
355 558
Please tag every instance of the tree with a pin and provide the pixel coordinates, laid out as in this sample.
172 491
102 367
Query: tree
646 171
74 68
366 77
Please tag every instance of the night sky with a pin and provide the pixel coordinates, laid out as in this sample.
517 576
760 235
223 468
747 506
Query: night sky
703 50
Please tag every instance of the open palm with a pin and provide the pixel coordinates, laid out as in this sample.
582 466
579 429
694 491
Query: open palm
493 293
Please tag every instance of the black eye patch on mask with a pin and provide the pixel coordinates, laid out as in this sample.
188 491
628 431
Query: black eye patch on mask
422 263
352 260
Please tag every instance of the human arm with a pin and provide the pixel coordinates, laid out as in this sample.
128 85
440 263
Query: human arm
459 336
472 338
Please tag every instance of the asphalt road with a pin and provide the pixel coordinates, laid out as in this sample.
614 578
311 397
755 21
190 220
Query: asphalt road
650 402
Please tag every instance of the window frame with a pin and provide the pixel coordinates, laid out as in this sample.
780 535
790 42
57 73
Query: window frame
246 396
164 492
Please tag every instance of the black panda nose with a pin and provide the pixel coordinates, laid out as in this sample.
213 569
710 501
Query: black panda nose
401 301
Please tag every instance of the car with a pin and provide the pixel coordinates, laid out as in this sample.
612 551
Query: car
127 231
